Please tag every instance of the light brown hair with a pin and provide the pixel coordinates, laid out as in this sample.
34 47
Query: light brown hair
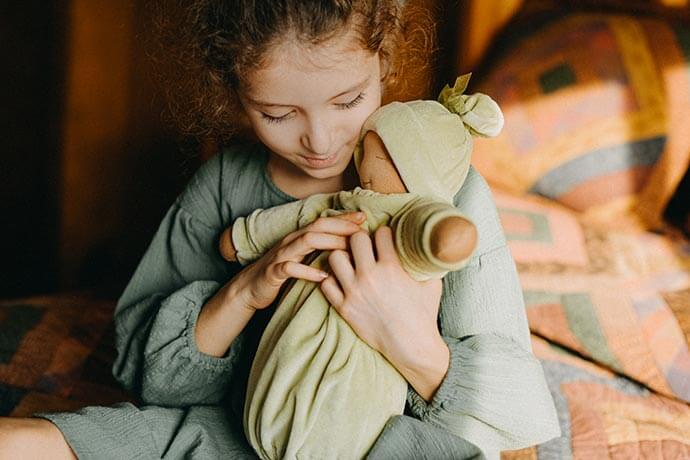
208 48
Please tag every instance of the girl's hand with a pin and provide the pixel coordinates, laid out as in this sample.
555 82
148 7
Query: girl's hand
388 309
261 281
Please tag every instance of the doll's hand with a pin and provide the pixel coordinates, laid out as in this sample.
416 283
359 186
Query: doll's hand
388 309
261 281
226 246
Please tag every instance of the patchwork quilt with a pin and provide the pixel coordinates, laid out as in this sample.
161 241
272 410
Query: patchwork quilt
56 353
609 312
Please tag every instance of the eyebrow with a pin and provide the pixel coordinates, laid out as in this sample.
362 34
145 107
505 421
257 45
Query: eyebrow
349 90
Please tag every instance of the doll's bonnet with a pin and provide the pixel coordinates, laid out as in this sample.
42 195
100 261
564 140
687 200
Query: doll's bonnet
430 142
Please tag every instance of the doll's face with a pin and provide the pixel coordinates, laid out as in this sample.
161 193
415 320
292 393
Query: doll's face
377 171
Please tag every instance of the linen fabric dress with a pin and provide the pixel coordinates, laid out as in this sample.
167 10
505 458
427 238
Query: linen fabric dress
493 397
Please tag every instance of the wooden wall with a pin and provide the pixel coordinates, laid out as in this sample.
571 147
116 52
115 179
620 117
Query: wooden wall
121 168
87 167
31 52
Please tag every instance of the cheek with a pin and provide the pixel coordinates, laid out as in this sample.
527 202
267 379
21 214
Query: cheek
371 103
360 115
276 137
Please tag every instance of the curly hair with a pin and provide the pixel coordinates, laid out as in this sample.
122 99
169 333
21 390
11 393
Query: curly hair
208 48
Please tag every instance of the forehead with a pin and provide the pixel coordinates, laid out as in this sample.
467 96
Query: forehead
295 72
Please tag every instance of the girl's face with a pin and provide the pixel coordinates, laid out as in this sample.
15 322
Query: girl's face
308 104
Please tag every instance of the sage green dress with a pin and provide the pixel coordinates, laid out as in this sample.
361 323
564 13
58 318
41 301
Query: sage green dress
494 396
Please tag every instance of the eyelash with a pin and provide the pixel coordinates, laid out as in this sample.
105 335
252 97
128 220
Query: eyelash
346 106
352 103
271 119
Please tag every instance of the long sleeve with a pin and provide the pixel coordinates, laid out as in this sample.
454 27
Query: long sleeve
494 393
155 317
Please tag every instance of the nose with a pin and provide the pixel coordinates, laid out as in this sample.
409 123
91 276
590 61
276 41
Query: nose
318 136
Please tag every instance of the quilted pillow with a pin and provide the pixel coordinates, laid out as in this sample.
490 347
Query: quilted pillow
596 109
603 415
56 353
621 298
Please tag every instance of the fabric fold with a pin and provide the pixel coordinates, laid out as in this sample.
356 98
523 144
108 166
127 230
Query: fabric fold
483 398
175 371
106 433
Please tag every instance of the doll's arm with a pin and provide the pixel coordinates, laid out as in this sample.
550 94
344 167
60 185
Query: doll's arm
250 237
432 238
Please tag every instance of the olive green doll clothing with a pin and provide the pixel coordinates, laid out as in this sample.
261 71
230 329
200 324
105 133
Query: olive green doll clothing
314 386
492 398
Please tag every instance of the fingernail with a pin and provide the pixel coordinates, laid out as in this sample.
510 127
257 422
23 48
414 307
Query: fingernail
323 274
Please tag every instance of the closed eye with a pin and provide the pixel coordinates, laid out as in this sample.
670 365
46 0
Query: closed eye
353 103
272 119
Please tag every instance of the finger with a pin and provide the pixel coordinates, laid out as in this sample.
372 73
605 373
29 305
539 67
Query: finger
309 242
344 224
340 224
332 291
385 248
341 266
354 216
280 272
362 251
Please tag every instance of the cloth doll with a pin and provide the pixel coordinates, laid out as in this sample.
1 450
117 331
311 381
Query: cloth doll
315 389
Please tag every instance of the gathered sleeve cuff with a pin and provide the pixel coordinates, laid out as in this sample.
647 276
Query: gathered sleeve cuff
156 317
175 372
494 395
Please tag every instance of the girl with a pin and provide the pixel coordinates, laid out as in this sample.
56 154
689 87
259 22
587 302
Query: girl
305 74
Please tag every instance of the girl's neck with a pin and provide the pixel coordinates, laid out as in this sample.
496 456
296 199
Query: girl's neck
296 183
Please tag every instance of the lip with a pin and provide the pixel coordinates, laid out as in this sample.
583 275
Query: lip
321 162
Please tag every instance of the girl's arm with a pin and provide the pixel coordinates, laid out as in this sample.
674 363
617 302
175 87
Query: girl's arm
181 322
493 394
155 317
226 314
